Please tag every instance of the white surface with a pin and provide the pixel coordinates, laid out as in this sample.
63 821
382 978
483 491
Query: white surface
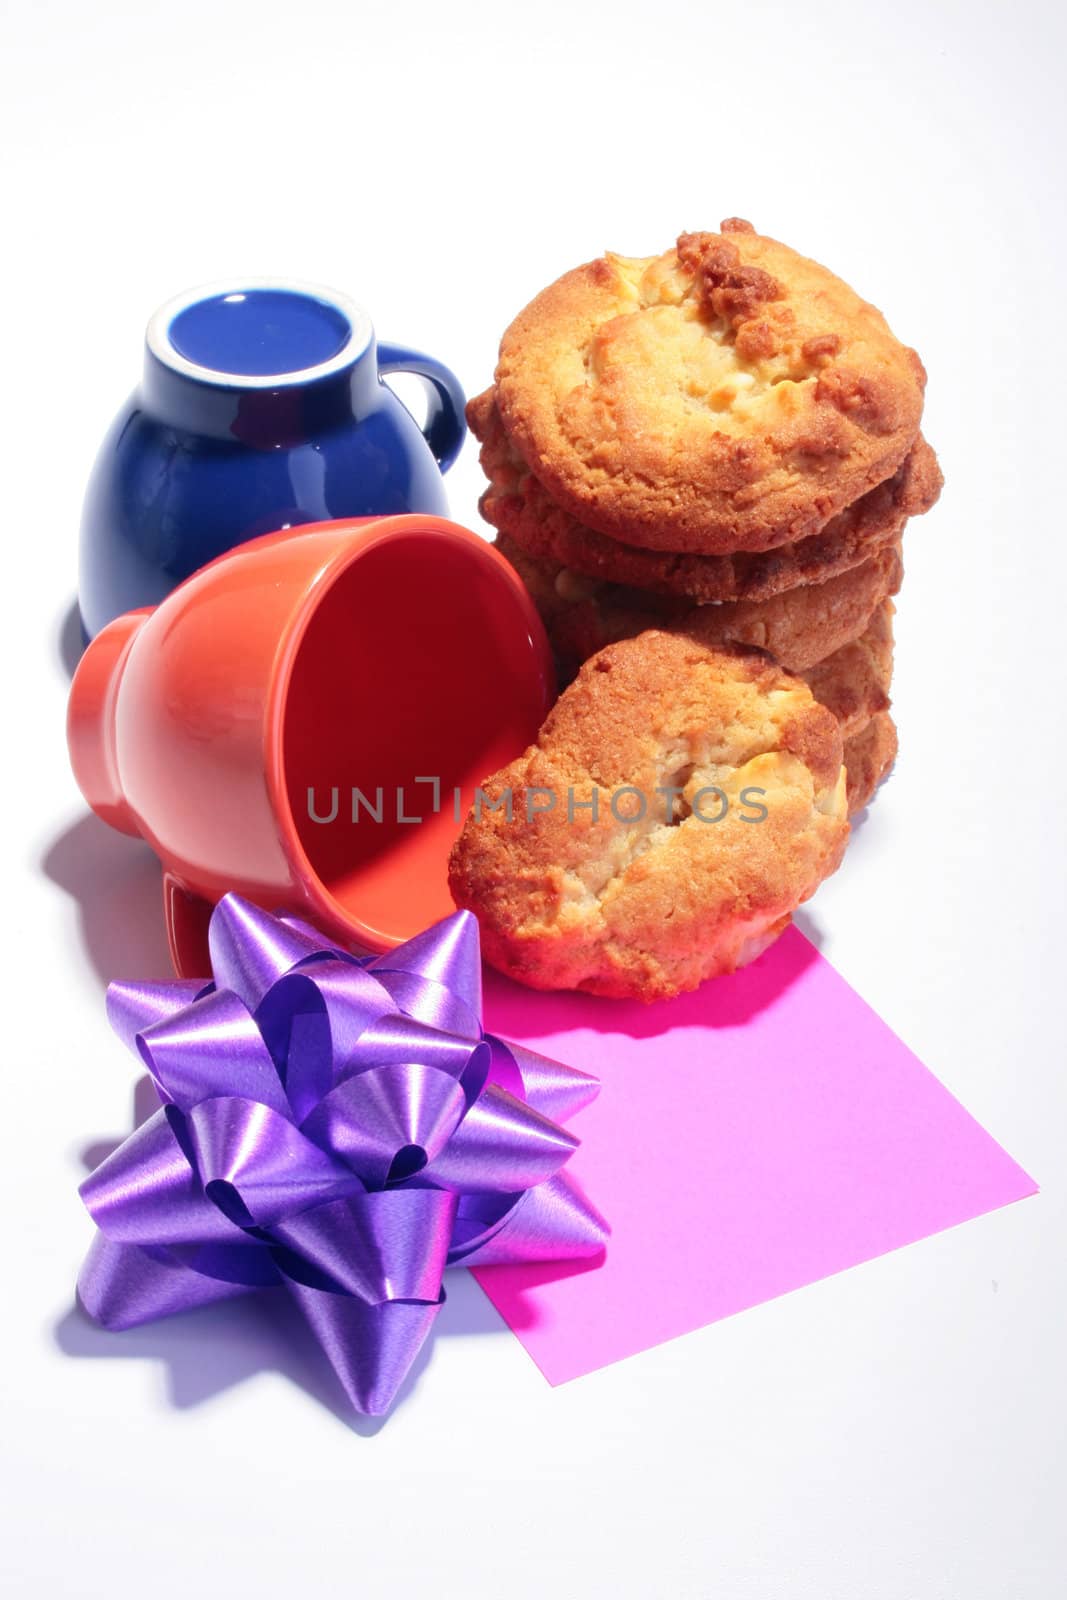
896 1433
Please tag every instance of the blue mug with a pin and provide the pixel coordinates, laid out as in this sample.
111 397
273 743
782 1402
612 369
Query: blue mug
261 406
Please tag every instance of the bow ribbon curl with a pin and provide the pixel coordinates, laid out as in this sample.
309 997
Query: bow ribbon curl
338 1126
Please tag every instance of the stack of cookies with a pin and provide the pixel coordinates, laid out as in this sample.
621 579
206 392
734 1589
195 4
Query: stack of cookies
721 442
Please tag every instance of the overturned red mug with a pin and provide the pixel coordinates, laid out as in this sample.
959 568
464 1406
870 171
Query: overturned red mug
306 719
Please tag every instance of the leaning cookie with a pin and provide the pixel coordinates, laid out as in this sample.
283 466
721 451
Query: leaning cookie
518 505
727 395
799 627
679 804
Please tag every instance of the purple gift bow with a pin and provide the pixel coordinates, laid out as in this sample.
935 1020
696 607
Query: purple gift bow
338 1126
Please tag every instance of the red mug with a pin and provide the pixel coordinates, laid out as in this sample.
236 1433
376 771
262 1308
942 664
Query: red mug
306 719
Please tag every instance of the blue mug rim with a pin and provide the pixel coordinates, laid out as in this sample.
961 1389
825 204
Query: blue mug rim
161 346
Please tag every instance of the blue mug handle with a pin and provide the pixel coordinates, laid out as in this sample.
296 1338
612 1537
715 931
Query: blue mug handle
444 429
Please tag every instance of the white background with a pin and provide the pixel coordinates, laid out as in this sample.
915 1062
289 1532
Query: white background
895 1432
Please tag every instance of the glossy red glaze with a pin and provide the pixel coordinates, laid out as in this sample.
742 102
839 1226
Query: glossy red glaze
344 656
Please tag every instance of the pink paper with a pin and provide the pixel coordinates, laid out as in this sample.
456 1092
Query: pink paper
764 1132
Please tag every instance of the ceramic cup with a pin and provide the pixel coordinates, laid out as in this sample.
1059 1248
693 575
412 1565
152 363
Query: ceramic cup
261 406
233 725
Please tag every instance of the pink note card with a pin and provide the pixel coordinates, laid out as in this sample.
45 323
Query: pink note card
748 1139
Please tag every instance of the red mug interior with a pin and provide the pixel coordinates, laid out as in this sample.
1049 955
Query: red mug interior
415 673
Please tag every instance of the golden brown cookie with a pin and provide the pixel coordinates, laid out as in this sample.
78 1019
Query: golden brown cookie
798 627
869 755
854 682
517 504
727 395
720 805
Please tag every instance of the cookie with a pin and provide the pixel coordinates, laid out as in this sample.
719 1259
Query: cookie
799 627
854 682
518 505
727 395
869 755
678 805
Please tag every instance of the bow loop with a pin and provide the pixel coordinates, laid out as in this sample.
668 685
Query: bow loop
250 949
389 1122
146 1193
429 1002
551 1222
211 1047
393 1039
312 1021
256 1166
392 1244
134 1007
550 1087
448 954
502 1145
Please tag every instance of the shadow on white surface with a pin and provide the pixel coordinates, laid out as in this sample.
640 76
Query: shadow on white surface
806 924
211 1350
146 1103
71 639
116 884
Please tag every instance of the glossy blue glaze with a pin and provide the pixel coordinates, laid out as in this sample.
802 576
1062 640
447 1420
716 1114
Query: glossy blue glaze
201 459
260 331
